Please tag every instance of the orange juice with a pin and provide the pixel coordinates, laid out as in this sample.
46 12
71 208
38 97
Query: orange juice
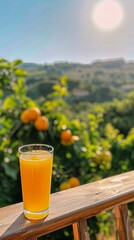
36 172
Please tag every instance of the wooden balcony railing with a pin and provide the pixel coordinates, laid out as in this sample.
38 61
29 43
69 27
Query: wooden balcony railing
73 207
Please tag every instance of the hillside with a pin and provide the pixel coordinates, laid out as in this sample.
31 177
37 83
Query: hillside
100 81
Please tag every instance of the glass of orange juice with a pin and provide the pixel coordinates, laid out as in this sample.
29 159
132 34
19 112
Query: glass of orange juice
36 162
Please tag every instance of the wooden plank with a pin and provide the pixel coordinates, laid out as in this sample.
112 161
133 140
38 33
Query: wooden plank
68 207
80 230
123 223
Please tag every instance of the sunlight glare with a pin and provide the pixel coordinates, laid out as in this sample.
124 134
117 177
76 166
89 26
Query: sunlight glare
107 15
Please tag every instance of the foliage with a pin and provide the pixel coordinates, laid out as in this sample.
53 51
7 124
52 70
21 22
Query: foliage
121 113
98 150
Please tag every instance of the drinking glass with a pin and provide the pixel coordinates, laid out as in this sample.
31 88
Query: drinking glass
36 172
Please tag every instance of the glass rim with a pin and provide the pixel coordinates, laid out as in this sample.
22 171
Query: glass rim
35 144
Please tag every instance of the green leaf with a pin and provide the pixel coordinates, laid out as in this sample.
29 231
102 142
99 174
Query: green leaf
20 73
20 82
17 62
56 87
5 65
9 103
63 80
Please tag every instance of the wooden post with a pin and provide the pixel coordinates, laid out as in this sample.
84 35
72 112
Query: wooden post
123 223
80 230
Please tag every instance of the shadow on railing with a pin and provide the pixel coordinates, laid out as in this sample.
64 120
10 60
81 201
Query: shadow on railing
73 207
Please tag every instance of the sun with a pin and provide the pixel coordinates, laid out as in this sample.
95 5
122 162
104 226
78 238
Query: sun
107 15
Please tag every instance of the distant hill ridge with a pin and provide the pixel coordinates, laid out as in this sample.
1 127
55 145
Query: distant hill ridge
113 63
103 80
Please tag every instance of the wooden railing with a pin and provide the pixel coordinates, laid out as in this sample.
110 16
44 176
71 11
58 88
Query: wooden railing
74 207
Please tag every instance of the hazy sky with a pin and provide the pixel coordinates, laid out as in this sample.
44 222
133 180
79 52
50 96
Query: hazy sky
62 30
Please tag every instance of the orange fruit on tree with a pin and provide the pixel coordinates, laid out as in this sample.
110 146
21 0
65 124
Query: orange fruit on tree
33 113
41 123
65 185
74 182
70 141
24 116
66 135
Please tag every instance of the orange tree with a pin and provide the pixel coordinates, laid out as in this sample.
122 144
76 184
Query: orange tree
84 151
13 100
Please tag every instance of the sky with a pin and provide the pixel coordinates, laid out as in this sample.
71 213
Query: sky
47 31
